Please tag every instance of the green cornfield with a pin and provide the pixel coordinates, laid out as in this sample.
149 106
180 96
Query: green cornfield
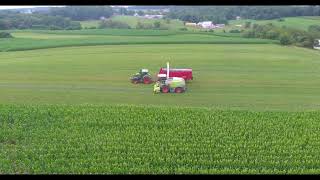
125 139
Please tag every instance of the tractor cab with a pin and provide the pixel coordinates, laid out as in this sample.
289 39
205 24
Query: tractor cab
162 78
142 76
144 72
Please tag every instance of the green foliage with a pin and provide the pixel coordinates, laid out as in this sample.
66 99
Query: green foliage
247 24
36 21
157 24
314 29
284 39
285 35
234 31
272 34
167 20
5 35
79 13
140 13
80 139
113 24
183 29
220 14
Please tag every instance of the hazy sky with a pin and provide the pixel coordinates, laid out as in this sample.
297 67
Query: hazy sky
16 7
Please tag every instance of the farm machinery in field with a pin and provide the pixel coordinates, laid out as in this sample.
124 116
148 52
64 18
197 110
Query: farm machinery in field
172 85
142 76
168 80
172 80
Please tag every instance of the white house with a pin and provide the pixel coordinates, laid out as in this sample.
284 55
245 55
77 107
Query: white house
206 24
238 18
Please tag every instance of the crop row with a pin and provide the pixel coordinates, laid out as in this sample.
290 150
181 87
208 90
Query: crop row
139 139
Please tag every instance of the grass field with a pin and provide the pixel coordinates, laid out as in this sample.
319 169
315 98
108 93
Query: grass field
28 40
232 76
89 23
301 23
253 106
133 20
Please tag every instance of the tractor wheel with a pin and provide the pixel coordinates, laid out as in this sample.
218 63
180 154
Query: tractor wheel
147 80
135 81
165 89
178 90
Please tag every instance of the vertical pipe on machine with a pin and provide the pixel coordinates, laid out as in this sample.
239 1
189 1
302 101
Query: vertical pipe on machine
167 70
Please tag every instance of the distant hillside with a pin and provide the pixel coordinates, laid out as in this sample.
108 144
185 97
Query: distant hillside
301 23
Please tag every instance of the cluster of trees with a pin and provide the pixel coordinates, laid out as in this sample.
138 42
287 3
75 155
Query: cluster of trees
220 14
108 23
36 21
156 25
286 36
113 24
5 35
314 29
80 13
198 13
124 11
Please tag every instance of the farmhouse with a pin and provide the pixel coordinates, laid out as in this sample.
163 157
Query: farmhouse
206 24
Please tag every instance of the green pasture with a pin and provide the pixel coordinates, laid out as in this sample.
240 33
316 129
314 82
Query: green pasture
226 76
172 24
301 23
28 39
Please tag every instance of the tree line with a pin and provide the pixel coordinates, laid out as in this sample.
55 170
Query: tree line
80 13
14 20
221 14
285 35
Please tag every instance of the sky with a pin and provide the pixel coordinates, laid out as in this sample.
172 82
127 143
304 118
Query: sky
18 7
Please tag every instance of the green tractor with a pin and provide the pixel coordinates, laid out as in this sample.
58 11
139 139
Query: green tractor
142 76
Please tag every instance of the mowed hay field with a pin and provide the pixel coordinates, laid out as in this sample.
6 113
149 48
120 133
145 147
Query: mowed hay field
228 76
251 108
